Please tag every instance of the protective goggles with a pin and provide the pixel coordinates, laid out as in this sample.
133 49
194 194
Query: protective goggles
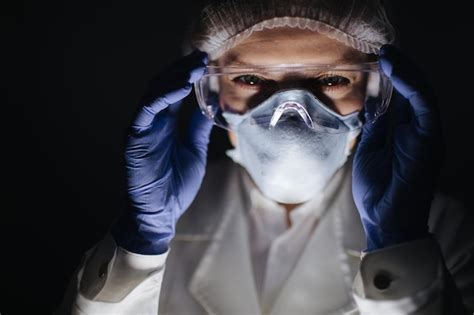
342 90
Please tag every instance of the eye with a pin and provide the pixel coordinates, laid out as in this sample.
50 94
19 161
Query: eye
249 80
333 81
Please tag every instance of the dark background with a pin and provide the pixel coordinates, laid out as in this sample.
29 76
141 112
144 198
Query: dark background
72 73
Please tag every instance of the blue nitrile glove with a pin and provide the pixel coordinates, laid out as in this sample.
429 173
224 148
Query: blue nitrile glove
163 173
398 158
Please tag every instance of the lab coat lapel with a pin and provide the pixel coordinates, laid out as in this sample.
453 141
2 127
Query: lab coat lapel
322 280
338 239
349 230
223 281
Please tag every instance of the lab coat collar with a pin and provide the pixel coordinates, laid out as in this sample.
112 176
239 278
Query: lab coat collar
222 292
307 289
223 281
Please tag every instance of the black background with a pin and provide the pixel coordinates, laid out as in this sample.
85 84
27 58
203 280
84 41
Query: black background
72 73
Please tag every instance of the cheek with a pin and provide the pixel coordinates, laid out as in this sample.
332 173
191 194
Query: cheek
231 99
348 105
351 102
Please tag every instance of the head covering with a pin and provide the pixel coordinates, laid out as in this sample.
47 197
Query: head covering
360 24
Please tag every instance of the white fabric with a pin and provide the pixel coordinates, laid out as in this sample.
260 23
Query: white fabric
129 283
280 159
277 240
361 24
221 282
396 262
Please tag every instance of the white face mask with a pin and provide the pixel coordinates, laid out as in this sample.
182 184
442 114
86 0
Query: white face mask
291 145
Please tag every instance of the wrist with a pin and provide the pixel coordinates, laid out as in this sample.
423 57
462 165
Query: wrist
140 237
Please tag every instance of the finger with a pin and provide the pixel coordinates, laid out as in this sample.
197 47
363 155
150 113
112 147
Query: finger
400 110
410 83
171 87
374 133
193 154
405 75
197 137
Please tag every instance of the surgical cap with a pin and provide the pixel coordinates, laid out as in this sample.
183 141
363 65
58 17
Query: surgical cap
360 24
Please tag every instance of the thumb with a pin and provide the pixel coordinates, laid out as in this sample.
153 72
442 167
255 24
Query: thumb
374 133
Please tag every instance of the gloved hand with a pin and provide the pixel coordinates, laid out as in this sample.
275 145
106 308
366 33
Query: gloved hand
163 174
398 159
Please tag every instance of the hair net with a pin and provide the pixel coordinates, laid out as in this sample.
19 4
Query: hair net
361 24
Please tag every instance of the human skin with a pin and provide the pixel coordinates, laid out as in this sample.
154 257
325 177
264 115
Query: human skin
292 46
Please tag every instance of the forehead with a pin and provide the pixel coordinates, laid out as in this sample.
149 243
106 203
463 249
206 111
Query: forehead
290 45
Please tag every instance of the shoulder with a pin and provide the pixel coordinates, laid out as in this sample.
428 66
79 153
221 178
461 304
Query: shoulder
451 223
447 212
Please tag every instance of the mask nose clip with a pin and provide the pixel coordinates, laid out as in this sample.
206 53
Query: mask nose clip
291 108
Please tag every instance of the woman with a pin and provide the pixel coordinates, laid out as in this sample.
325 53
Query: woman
328 204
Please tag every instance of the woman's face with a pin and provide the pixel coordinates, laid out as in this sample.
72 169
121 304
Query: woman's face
342 91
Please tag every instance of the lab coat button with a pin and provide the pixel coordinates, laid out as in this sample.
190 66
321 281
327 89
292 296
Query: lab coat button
382 280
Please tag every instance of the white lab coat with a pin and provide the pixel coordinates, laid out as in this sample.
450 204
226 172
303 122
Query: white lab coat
208 267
